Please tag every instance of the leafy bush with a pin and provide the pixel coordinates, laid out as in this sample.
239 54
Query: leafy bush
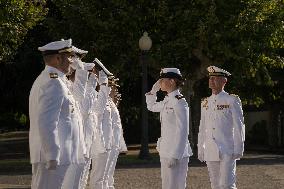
11 121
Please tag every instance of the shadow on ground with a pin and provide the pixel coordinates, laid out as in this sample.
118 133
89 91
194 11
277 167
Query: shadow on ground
14 157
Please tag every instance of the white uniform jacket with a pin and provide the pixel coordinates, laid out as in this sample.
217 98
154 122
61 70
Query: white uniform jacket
123 146
222 128
98 109
54 122
83 90
89 119
105 123
116 126
174 117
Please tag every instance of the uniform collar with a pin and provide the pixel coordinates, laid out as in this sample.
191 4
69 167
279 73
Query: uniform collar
50 69
219 94
174 93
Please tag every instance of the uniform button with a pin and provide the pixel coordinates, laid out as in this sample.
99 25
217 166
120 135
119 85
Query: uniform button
213 128
213 138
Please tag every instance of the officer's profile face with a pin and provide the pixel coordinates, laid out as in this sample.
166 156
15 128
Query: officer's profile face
217 82
64 62
113 92
95 70
167 84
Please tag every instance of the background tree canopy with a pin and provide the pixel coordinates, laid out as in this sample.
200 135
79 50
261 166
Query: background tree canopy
244 37
16 18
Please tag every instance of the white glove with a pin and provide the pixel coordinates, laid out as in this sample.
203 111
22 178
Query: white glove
77 64
201 156
102 78
236 156
156 87
172 162
51 165
92 82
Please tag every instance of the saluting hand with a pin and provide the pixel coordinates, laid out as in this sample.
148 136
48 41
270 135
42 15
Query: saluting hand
156 87
103 78
77 64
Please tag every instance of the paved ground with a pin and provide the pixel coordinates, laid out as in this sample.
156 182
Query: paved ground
255 171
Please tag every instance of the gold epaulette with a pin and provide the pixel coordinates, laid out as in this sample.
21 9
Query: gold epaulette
179 97
53 75
202 99
234 95
204 103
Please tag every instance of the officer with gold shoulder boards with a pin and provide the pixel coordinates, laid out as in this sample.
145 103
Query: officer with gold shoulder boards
173 145
54 135
221 132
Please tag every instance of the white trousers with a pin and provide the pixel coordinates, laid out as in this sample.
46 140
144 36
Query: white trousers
85 174
222 173
99 163
43 178
174 177
73 176
111 167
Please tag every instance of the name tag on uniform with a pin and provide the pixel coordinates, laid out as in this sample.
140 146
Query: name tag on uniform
221 107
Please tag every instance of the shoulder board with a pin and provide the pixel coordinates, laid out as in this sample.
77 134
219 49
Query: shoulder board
234 95
179 97
203 99
53 75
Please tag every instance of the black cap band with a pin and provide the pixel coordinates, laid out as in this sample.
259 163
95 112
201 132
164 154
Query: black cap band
63 50
171 75
218 74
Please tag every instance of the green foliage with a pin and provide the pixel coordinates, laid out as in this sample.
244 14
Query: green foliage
260 30
13 121
16 18
242 36
191 35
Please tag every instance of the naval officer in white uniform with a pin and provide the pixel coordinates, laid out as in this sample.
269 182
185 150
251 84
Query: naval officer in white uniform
173 145
77 85
102 137
54 137
117 134
221 132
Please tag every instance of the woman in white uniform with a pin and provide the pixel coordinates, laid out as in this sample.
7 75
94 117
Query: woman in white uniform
173 145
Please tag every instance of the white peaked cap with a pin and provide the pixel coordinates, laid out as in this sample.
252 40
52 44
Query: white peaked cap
88 66
79 51
103 67
174 70
215 71
170 73
56 47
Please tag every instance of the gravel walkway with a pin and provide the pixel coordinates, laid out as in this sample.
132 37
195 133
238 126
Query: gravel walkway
265 171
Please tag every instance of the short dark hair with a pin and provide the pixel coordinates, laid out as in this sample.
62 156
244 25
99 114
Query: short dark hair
179 82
